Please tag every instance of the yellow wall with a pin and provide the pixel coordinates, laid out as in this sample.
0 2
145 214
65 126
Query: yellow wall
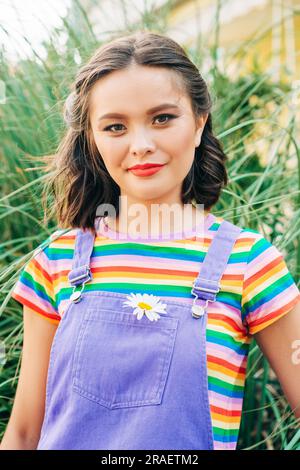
236 35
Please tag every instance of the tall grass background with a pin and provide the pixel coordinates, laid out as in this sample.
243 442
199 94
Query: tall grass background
255 118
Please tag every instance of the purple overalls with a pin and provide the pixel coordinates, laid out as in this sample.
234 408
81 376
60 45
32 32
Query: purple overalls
117 382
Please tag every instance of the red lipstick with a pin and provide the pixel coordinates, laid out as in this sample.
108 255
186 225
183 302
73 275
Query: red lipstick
147 169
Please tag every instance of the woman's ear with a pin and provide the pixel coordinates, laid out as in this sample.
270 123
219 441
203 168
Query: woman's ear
199 129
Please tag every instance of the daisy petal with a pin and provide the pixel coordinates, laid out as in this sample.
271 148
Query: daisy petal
156 316
140 314
149 314
160 309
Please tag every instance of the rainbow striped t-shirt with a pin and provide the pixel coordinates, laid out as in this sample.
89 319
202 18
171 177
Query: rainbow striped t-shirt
256 290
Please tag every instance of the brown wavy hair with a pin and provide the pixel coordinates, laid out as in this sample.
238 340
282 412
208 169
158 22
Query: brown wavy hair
78 181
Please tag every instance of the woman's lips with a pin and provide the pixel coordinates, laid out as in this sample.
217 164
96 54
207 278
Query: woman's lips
146 171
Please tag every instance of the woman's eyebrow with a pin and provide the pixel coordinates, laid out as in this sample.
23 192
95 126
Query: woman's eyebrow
150 111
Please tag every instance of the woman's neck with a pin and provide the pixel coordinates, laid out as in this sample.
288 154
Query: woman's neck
162 225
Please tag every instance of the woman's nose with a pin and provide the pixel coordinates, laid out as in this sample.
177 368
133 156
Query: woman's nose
141 143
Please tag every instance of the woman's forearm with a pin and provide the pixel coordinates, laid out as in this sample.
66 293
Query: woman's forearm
14 440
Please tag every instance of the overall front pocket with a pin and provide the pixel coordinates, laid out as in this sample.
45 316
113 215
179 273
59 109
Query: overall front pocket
121 361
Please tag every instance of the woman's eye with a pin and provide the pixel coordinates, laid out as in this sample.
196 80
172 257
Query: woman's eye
169 116
109 128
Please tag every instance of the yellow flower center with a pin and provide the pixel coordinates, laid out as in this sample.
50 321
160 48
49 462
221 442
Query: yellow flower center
145 306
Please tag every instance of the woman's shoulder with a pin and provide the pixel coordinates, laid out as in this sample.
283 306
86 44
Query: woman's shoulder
246 236
255 249
57 239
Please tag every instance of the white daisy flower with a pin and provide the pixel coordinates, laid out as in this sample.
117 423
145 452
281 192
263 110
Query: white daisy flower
145 304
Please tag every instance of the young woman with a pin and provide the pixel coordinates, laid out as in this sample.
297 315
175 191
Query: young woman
136 336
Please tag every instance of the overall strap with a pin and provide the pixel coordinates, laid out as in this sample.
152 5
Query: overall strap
81 272
207 284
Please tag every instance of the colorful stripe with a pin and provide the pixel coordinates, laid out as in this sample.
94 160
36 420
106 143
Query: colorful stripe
256 290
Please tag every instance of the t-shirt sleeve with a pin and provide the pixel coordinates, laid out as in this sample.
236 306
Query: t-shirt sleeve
269 290
35 288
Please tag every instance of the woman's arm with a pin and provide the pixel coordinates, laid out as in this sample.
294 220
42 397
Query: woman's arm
280 343
24 426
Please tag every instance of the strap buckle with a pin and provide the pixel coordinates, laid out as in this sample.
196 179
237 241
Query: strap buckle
199 310
82 276
205 289
76 294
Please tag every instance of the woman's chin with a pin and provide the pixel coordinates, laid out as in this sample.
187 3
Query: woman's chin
149 195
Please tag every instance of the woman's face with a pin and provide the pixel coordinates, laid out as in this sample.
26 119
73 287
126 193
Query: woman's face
135 133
